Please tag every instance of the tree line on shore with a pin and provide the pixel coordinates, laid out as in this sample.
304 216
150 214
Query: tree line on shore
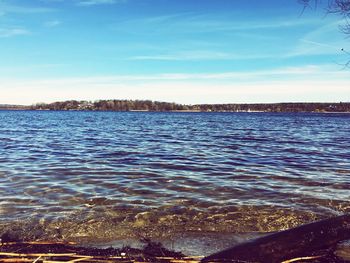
148 105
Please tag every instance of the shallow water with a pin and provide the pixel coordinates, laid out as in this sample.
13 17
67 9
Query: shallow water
111 175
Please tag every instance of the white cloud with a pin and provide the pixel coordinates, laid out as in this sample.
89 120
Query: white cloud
229 25
51 1
99 2
181 92
6 70
199 55
325 40
11 32
197 23
8 8
52 23
315 43
310 83
189 55
209 22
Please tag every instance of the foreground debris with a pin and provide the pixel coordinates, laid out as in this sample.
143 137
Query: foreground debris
320 242
40 252
47 252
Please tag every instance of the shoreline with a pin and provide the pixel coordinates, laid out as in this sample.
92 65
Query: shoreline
189 243
177 111
312 242
159 106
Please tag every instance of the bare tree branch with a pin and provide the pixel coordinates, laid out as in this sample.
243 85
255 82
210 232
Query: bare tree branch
338 7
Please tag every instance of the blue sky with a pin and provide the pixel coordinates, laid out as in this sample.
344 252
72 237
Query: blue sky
187 51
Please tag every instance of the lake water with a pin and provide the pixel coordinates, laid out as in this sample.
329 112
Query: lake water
112 175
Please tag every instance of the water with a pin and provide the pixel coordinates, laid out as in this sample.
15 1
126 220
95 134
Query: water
112 175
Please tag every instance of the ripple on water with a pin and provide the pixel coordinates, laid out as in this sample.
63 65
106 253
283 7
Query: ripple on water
124 173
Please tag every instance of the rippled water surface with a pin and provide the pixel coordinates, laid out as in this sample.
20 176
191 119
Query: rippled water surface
112 174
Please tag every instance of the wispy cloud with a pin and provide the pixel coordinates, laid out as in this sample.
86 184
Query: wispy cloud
52 23
221 24
30 69
51 1
312 71
9 8
200 23
309 71
312 48
99 2
199 55
188 55
11 32
315 43
324 40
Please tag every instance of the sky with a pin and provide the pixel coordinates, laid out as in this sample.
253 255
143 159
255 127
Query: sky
184 51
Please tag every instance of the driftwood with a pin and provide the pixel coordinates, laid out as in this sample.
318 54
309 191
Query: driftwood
299 242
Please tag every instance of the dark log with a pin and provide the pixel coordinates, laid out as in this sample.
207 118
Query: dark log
296 242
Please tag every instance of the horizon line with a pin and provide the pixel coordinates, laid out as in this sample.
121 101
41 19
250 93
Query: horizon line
187 104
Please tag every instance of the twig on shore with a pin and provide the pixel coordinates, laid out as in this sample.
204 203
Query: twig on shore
34 256
36 243
301 258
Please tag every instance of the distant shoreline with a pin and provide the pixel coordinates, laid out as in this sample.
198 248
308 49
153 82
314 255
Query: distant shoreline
192 111
156 106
